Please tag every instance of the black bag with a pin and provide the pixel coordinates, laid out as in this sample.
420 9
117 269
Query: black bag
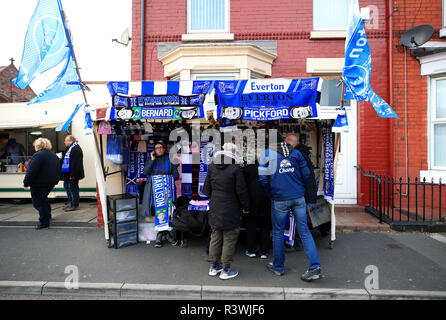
195 222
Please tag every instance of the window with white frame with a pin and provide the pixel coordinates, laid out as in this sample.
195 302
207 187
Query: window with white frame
437 131
207 16
330 14
331 94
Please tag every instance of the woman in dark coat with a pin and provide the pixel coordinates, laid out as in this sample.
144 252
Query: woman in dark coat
42 174
158 164
259 215
226 188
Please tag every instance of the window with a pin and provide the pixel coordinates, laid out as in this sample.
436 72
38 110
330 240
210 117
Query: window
331 94
438 123
330 14
207 16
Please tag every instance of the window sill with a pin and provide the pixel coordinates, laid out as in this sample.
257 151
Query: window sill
339 34
207 37
433 174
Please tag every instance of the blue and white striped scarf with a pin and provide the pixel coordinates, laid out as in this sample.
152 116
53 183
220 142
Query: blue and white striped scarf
66 159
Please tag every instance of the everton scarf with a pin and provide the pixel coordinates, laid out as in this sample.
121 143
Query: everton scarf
130 183
328 162
66 159
163 189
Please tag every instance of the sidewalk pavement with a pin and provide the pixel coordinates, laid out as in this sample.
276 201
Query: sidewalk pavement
348 217
25 214
404 262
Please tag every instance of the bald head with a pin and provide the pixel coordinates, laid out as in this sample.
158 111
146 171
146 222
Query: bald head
292 140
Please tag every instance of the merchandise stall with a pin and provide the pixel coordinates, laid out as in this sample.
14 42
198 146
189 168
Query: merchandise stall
143 113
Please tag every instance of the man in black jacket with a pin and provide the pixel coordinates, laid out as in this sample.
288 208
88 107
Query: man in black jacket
72 171
42 174
226 187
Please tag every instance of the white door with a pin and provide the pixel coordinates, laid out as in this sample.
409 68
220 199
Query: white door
345 186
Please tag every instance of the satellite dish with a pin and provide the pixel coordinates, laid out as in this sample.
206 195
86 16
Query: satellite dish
125 38
417 36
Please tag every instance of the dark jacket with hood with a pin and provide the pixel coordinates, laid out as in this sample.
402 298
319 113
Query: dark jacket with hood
76 164
226 188
283 172
259 200
43 170
311 185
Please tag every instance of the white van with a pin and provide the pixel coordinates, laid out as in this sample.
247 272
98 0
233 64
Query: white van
25 124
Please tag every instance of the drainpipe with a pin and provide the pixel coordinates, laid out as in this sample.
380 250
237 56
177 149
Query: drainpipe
143 18
390 29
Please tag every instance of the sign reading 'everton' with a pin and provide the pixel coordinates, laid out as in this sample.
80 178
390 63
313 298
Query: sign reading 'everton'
158 100
269 99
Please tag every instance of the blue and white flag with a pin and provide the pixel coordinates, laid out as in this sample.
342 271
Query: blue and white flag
341 123
64 126
66 82
358 65
46 42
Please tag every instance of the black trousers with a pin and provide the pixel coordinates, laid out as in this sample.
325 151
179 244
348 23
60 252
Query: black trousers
41 203
252 223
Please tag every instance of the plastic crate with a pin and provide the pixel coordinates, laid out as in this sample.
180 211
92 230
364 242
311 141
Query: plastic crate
126 240
125 216
123 228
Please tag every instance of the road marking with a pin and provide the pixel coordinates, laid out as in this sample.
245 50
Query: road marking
438 237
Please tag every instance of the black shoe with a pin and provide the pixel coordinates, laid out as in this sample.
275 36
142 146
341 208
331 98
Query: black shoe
184 243
159 240
271 268
40 226
171 239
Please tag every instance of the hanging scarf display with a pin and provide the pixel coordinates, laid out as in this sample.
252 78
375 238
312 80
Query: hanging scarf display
163 189
66 159
130 180
206 153
186 176
328 161
141 163
159 99
114 149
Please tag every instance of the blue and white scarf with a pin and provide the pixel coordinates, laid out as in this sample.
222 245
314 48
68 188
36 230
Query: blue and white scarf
163 190
66 159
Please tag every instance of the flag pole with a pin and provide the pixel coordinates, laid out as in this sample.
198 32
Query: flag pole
100 173
335 170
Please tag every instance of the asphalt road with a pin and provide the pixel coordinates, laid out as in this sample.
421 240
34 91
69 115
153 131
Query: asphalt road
405 261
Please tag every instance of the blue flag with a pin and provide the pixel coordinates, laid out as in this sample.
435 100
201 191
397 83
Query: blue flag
46 43
66 82
358 65
66 125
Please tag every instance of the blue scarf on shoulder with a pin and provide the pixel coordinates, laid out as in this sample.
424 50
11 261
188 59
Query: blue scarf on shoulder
66 159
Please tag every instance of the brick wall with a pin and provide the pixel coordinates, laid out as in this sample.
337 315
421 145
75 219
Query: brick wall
290 23
408 14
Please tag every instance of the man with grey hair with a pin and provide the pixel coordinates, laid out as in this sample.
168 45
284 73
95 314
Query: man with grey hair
226 188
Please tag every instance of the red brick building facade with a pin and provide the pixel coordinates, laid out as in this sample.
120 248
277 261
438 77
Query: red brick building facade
302 49
8 91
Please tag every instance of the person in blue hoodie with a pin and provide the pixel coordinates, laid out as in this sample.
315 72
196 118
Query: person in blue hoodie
283 173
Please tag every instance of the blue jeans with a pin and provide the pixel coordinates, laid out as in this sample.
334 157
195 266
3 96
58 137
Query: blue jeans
72 189
280 211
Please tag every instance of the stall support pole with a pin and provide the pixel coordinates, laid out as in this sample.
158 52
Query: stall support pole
98 163
335 169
